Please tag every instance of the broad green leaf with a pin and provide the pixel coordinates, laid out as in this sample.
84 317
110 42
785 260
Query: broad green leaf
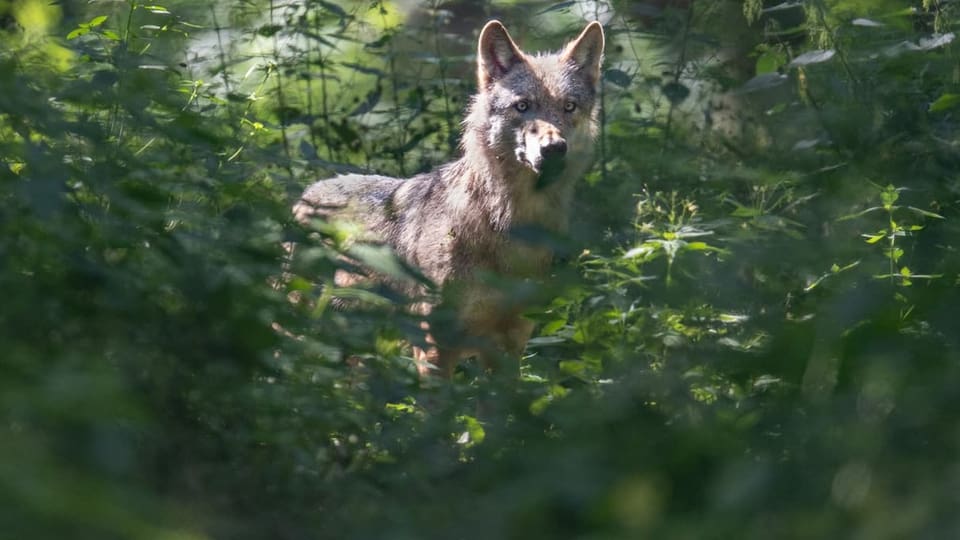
474 433
770 61
382 260
944 102
78 31
552 326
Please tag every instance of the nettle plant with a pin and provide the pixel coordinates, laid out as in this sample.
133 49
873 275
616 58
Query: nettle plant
668 227
621 309
891 238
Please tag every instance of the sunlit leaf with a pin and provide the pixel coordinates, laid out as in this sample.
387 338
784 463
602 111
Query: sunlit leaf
923 212
77 32
770 61
813 57
540 341
944 102
874 238
159 10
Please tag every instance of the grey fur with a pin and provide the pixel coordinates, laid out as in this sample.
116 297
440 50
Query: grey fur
455 222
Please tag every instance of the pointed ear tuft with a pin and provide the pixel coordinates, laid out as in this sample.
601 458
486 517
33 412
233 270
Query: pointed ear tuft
587 51
497 54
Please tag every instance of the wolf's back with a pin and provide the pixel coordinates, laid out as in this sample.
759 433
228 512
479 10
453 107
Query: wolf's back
364 200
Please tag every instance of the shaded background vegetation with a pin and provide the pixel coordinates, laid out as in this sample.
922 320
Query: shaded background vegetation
751 334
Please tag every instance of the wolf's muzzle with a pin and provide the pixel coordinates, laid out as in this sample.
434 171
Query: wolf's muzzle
556 149
552 162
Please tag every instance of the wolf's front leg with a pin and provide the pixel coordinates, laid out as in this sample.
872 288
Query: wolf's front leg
434 360
503 358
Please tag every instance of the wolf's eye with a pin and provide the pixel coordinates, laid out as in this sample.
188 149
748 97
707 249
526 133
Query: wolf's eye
569 106
522 105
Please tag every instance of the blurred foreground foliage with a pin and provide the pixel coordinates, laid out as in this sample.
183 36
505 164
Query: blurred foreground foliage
751 334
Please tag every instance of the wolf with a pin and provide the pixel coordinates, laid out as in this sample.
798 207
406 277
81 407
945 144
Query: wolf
527 137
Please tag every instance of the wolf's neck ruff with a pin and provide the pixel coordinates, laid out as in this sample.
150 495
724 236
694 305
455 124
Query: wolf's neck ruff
527 137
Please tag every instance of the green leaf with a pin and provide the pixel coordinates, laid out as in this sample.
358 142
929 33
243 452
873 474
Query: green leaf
770 61
745 212
474 433
924 212
889 196
382 260
640 251
552 326
944 102
540 341
813 57
97 21
160 10
866 23
874 238
78 31
860 213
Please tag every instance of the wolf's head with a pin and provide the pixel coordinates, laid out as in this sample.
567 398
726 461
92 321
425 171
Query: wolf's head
537 112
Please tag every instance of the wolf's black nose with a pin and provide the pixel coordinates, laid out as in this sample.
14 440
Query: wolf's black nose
555 149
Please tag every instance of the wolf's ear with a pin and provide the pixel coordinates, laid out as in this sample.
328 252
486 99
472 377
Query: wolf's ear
587 51
497 54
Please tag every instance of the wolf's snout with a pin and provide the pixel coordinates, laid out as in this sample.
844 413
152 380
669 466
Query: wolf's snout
554 149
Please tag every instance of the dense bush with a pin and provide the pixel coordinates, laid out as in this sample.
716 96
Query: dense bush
750 332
